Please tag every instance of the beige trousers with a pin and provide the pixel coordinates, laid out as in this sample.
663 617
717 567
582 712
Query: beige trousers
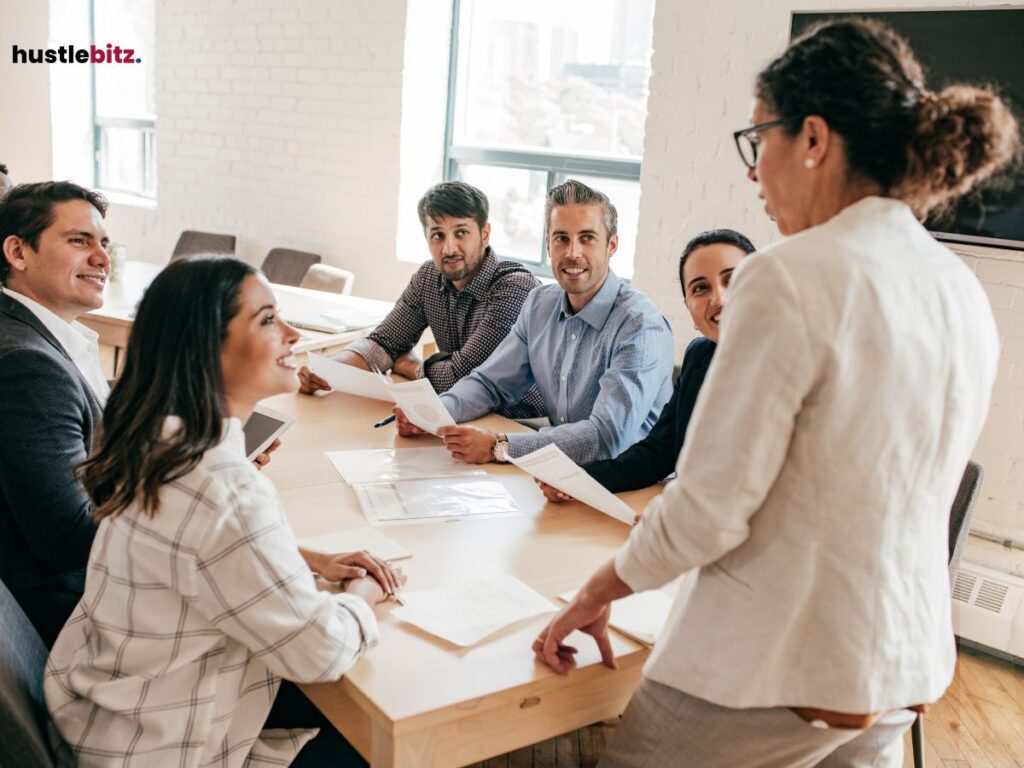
666 727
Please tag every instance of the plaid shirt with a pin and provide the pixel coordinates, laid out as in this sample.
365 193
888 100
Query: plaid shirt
189 621
467 325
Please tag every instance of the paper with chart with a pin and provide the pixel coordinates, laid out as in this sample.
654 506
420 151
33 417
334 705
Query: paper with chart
388 465
409 500
421 405
349 379
355 540
466 614
641 616
550 465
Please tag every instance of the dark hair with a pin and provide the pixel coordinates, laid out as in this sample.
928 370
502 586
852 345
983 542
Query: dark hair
574 192
714 237
862 78
3 169
456 199
172 368
27 211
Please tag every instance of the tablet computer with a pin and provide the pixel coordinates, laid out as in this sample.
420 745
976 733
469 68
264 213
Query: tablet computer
263 428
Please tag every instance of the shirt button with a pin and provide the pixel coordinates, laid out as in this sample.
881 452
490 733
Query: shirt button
574 337
562 419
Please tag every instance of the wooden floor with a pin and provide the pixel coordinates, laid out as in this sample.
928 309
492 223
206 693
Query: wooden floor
979 723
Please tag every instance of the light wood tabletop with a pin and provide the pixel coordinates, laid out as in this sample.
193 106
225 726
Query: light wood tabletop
416 700
113 321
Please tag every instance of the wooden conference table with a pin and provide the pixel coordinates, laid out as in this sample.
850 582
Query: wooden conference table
416 700
113 321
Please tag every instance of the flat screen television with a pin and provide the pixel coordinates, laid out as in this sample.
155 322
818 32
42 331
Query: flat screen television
976 47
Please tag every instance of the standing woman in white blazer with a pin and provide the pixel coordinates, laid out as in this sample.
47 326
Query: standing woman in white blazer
851 383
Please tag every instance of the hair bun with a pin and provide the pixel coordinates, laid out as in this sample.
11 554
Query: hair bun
962 135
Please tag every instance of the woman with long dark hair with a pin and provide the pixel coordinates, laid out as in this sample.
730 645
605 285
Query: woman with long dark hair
849 388
197 601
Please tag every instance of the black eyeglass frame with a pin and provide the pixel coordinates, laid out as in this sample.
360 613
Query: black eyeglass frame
753 129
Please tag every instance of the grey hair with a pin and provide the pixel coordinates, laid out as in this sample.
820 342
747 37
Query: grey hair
574 192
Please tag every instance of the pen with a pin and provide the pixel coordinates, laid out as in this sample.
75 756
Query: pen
384 422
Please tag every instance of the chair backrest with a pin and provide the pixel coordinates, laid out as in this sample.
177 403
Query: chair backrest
192 243
961 513
22 708
287 267
324 277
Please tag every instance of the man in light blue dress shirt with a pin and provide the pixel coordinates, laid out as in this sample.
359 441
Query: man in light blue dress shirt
598 350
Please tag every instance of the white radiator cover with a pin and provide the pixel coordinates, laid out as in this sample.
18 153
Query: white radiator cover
988 609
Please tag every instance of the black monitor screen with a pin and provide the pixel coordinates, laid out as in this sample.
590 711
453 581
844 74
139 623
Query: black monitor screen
974 47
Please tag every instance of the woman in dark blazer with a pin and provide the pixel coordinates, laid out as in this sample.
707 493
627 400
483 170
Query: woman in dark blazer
705 269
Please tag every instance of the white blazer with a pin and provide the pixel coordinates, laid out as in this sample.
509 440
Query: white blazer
813 493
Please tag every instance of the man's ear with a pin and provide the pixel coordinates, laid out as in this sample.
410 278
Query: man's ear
613 244
485 234
14 251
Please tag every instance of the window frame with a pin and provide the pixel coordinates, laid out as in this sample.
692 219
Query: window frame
559 166
100 123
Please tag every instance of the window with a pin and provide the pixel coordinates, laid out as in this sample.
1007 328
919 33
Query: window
124 110
540 92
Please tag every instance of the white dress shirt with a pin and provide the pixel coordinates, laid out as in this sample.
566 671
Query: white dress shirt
79 342
189 621
814 489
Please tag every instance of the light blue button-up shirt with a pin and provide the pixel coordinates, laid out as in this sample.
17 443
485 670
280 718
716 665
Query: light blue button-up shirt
604 373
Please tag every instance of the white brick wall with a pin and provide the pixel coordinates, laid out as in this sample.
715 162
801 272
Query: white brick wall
278 122
706 55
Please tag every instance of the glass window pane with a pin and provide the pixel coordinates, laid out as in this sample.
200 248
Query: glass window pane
516 197
570 76
121 164
125 90
625 196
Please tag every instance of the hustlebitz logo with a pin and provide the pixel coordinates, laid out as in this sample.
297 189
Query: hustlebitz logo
69 54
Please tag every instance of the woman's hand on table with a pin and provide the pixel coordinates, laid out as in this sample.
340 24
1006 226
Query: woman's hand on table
551 493
340 567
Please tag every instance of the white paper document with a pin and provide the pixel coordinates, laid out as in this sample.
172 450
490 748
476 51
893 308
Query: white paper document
465 615
407 500
388 465
550 465
421 405
355 540
641 616
349 379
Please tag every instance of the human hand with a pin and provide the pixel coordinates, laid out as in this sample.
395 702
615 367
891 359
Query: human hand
409 365
551 493
357 565
585 614
405 427
309 382
263 459
469 444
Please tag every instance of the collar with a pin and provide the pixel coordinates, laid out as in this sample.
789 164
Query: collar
74 337
595 314
480 285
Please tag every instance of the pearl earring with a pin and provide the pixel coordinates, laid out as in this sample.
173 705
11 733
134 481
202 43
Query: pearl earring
809 163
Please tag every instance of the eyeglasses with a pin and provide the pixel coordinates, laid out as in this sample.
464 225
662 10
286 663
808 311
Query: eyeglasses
747 141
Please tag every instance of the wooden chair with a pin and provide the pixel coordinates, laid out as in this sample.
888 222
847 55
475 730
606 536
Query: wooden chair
192 243
959 528
287 267
323 277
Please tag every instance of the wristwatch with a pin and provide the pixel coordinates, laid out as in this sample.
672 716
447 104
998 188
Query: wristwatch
500 449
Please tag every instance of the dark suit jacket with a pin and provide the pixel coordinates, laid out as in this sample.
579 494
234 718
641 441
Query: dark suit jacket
654 458
47 415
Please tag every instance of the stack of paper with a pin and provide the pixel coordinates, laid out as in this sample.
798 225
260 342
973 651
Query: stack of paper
389 465
433 497
641 616
467 614
550 465
356 540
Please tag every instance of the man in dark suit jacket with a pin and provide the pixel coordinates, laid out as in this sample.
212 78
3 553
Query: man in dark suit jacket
53 270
